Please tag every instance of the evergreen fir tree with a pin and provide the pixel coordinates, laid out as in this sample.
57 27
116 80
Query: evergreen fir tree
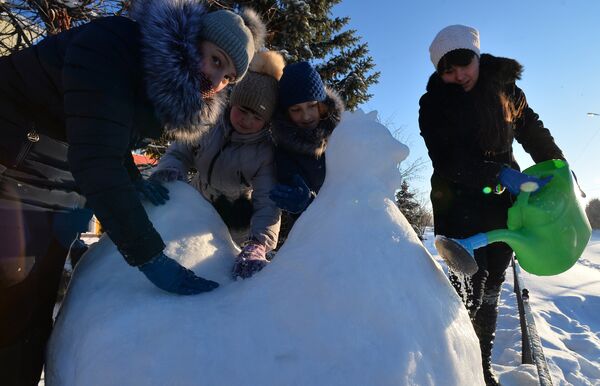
592 210
416 214
405 200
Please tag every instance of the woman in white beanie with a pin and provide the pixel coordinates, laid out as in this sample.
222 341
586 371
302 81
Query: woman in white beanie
234 164
469 117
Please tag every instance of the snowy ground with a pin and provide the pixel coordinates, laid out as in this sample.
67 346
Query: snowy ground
567 316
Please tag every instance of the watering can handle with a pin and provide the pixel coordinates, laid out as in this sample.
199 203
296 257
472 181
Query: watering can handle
583 195
515 216
523 198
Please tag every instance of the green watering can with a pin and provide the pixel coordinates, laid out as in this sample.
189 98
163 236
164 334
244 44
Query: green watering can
548 230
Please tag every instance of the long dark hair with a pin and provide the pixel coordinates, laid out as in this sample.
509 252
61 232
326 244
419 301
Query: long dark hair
495 109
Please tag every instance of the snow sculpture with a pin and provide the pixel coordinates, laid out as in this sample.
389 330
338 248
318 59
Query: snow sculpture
352 298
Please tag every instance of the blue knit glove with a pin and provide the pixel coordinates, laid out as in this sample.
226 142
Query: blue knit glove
170 276
517 182
293 198
152 190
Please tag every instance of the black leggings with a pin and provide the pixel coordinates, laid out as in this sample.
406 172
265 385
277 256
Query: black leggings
27 300
486 283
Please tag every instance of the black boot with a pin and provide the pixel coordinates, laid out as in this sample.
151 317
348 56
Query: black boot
485 328
482 304
470 289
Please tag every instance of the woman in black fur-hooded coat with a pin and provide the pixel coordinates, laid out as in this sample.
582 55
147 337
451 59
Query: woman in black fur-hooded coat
79 102
308 112
469 116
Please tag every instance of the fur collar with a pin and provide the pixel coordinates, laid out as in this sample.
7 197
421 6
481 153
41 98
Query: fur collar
492 68
170 30
313 143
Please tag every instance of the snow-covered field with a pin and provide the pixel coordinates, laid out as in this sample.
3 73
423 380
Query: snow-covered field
566 308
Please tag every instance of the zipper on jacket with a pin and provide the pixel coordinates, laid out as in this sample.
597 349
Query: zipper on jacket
32 137
212 162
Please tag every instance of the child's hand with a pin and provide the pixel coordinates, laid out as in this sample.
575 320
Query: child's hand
250 260
295 198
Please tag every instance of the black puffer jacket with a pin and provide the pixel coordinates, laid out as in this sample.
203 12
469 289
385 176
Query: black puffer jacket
299 151
461 169
102 88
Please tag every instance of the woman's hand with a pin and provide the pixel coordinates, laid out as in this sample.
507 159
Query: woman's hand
517 182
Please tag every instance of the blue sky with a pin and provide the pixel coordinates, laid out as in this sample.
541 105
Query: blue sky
557 42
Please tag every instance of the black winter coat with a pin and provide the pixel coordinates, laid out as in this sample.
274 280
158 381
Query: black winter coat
461 169
301 152
103 88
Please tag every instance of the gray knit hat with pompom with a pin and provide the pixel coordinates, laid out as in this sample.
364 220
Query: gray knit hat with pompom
240 36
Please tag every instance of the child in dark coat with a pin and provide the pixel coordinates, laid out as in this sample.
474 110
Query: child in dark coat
307 114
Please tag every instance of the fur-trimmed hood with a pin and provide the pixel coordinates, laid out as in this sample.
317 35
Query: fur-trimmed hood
314 142
170 31
493 68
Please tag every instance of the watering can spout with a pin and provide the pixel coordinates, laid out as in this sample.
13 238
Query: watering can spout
548 231
522 241
459 253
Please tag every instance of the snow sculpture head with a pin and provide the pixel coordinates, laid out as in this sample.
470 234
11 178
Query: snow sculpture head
361 142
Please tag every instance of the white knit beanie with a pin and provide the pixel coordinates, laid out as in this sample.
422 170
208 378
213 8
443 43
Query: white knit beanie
451 38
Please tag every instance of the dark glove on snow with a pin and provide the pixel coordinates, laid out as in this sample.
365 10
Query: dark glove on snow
293 198
250 260
517 182
170 276
152 190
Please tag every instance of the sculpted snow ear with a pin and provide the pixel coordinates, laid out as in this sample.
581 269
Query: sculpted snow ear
372 115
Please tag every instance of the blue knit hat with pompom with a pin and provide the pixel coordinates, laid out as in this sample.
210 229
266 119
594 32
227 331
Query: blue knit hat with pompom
300 83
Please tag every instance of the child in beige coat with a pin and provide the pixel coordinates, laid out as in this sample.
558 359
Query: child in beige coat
234 164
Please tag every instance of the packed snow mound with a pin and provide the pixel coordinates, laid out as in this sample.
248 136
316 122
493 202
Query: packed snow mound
352 298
